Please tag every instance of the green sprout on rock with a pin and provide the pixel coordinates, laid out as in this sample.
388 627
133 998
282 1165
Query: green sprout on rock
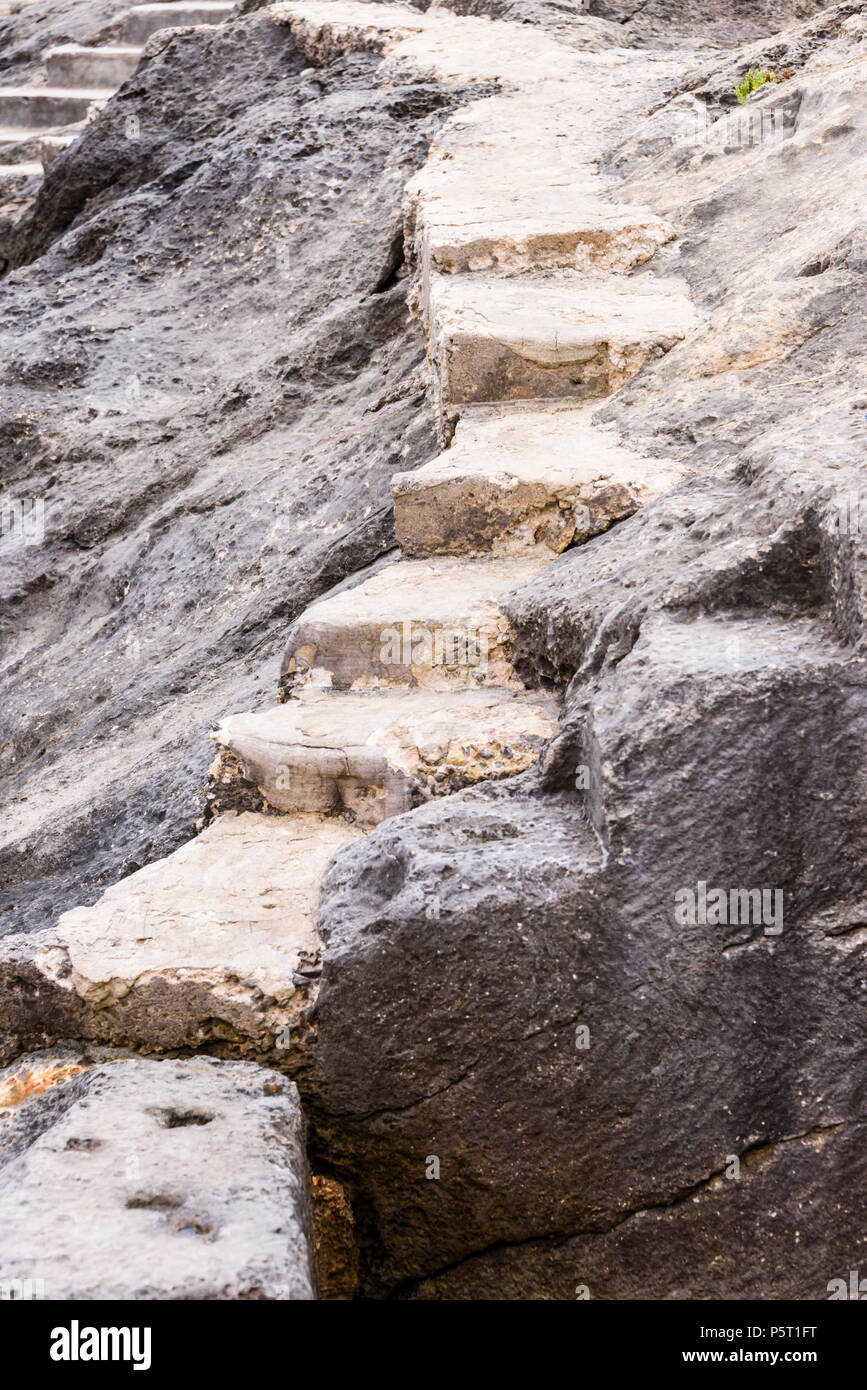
754 79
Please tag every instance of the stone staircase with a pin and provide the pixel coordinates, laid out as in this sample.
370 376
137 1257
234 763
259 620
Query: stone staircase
400 686
42 118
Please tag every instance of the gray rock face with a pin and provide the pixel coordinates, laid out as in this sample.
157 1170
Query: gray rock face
652 23
153 1180
739 1235
208 382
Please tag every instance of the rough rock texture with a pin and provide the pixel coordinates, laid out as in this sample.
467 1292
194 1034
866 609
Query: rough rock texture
658 23
336 1246
158 1180
210 404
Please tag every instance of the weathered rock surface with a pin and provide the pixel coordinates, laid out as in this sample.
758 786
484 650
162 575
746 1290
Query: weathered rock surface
502 923
713 645
733 1235
158 1180
533 1065
194 304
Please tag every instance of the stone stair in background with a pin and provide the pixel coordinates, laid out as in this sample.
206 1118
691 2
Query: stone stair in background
40 119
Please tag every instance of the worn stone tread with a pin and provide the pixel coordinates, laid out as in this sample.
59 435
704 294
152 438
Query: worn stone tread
377 755
433 622
518 479
209 944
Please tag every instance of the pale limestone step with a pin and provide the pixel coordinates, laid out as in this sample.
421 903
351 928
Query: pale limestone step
493 338
557 228
24 145
137 1179
430 623
30 107
74 65
374 756
518 478
513 183
13 174
143 20
17 144
451 47
215 943
52 145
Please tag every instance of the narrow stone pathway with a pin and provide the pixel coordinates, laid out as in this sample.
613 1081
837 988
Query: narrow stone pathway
40 119
400 687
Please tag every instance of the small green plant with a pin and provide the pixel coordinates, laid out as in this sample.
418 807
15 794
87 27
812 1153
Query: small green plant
754 79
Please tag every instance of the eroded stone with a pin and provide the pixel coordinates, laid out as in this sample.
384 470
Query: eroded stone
214 946
135 1179
556 335
430 623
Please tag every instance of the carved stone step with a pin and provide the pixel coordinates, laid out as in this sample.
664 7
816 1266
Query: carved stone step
494 338
575 232
32 107
449 46
143 20
23 145
517 479
432 623
373 756
511 185
132 1179
74 65
215 945
12 175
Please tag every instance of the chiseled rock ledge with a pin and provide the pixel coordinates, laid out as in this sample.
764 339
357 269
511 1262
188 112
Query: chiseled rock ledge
371 756
524 478
214 947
